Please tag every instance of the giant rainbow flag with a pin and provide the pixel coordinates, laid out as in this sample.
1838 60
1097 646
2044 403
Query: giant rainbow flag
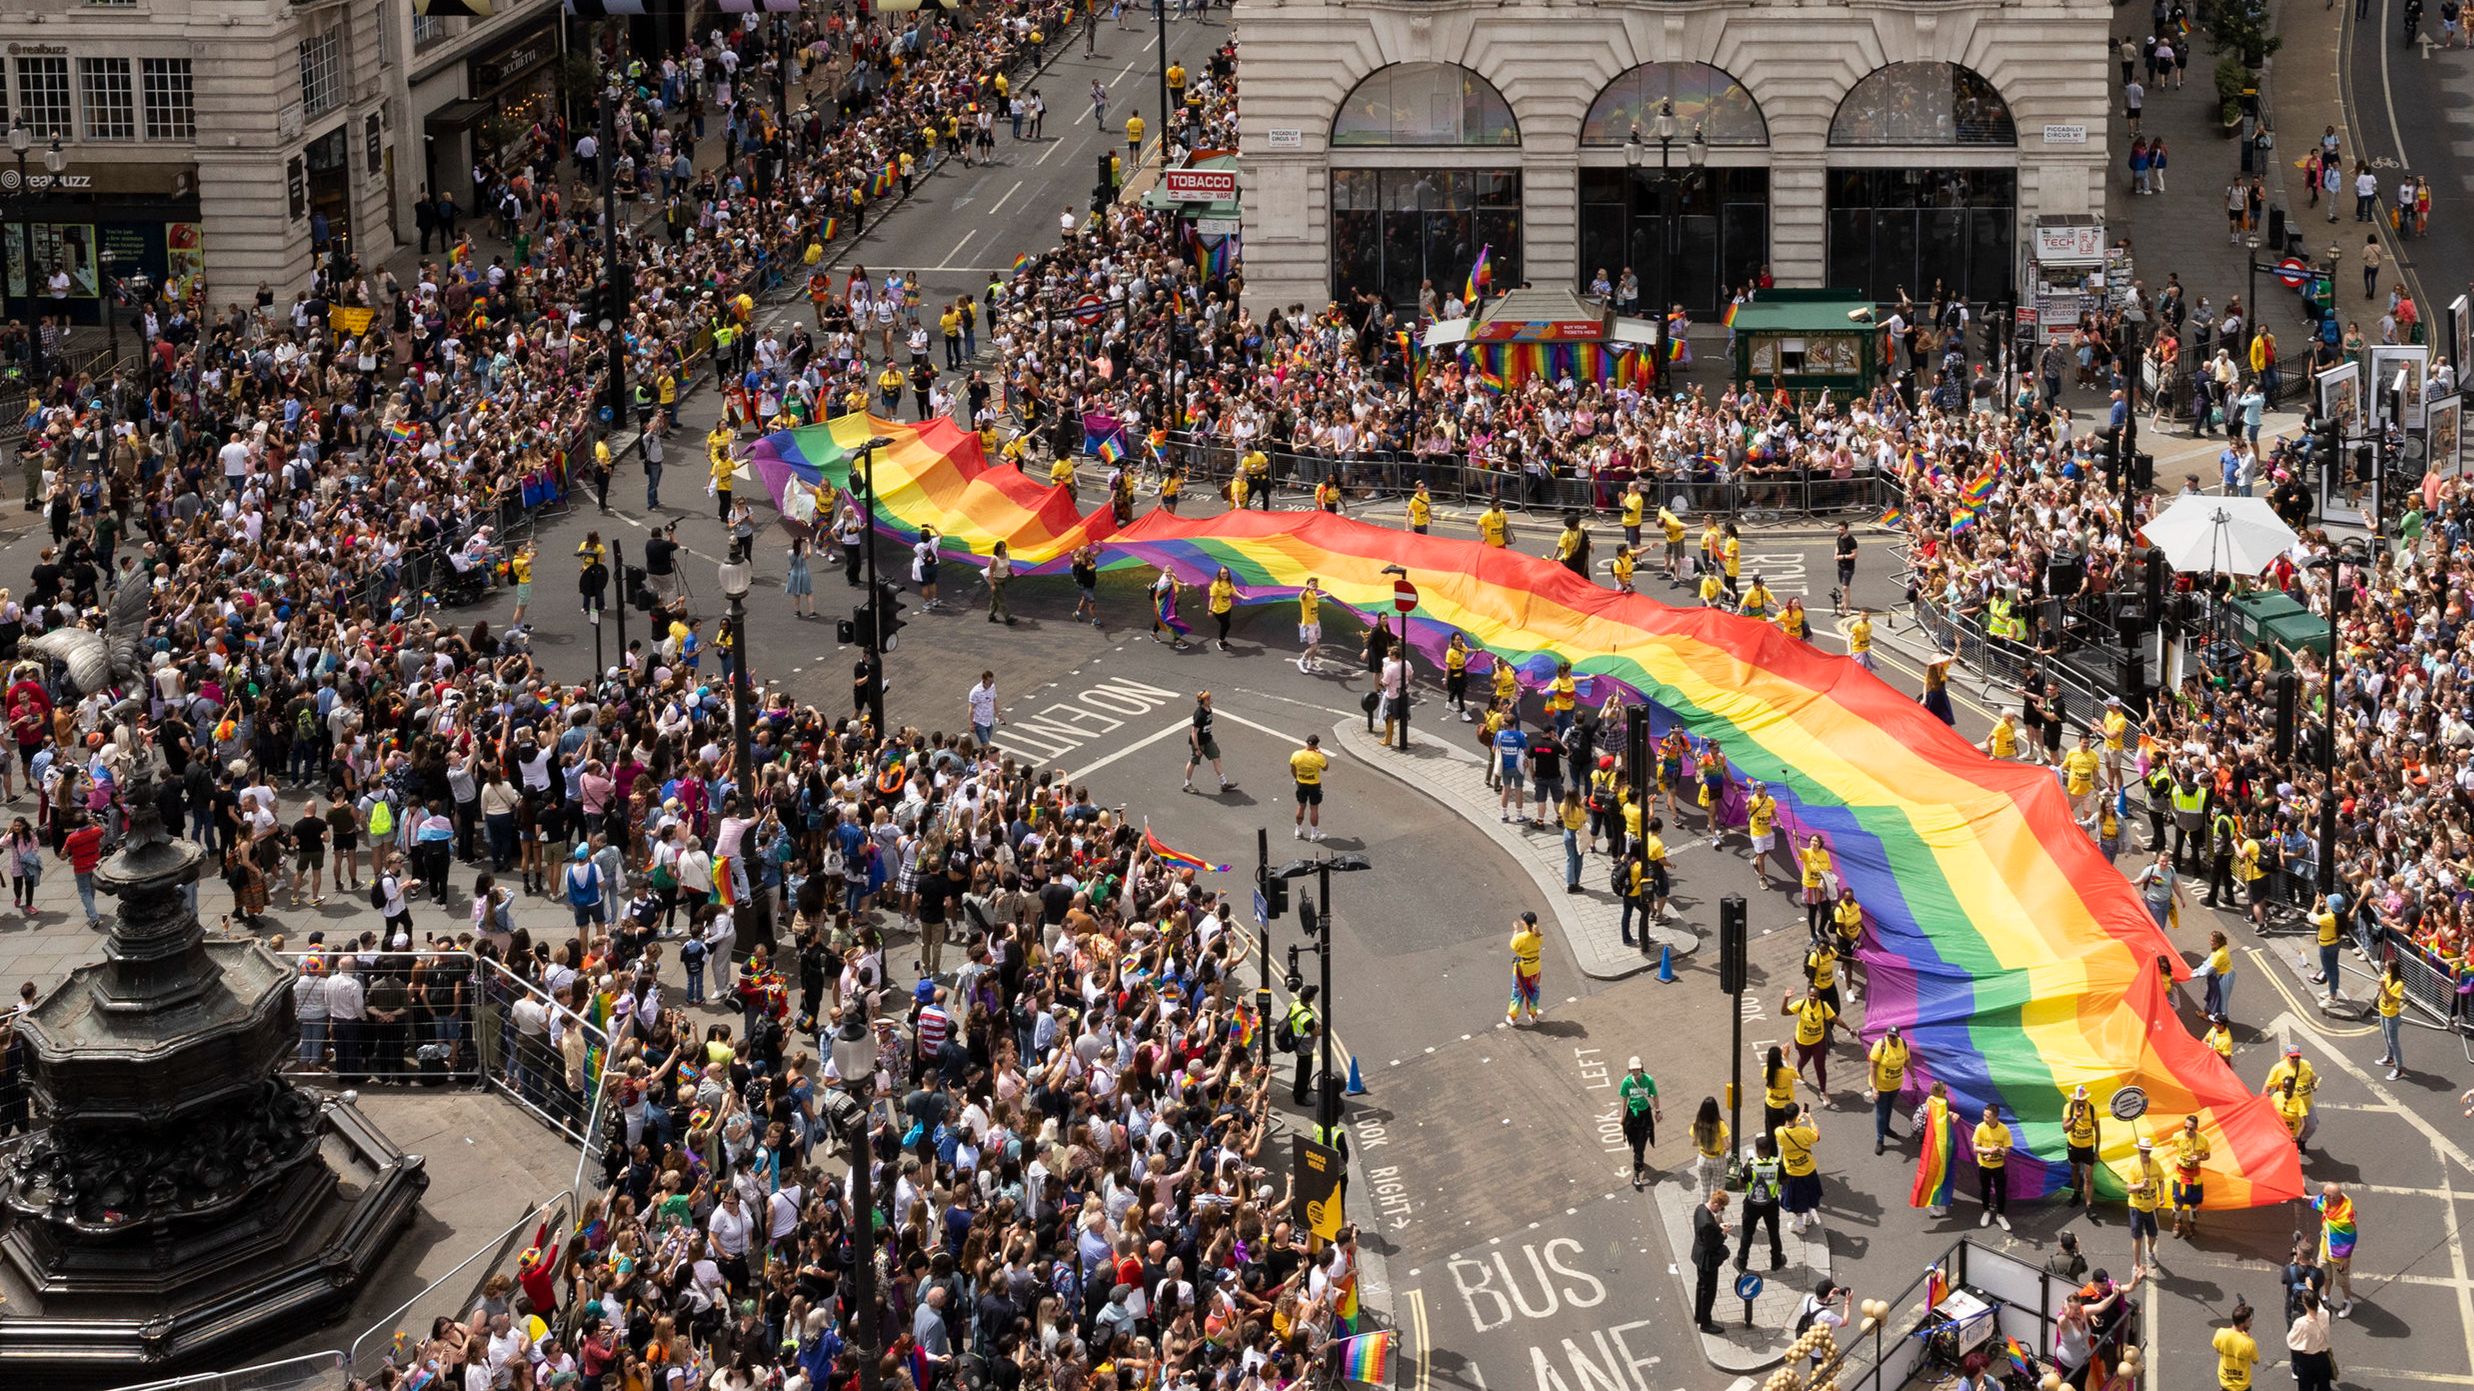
2017 961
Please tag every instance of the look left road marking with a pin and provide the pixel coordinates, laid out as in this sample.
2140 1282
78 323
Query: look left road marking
1066 725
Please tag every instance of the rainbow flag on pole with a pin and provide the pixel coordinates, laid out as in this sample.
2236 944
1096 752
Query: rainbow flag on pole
1367 1357
1894 516
1728 318
1020 261
832 225
1161 851
403 432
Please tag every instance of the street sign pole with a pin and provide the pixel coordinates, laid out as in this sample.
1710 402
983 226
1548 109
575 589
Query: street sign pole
1262 921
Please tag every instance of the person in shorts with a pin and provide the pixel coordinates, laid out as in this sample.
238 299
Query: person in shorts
1307 765
1511 766
1202 747
309 855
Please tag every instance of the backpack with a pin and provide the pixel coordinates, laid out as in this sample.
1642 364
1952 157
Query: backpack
1804 1316
1619 878
378 891
1284 1035
692 953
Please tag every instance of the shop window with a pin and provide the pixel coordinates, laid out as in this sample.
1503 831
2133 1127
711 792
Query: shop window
1393 230
1923 104
322 73
111 103
1425 104
43 96
171 99
1923 230
1704 99
1689 236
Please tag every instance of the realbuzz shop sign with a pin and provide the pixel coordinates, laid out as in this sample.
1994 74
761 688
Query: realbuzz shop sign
1200 185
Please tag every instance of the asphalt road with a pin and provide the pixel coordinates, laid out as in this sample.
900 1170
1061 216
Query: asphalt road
2409 111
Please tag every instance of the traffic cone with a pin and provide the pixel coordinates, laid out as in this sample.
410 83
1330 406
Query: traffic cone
1666 965
1357 1084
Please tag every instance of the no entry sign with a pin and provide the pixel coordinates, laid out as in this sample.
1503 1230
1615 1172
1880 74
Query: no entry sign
1404 595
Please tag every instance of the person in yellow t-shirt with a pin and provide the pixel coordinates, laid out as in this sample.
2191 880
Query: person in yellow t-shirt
2003 742
1793 623
1310 597
2329 938
2190 1156
1777 1089
1761 825
2116 728
1713 590
2079 1136
1812 1015
1456 675
1673 528
2390 1002
2305 1078
1885 1078
1061 473
520 572
2237 1352
1528 948
1256 469
1814 877
1635 502
1622 567
2144 1190
2219 1037
1307 765
1421 510
725 469
1797 1139
1733 550
2079 769
1494 528
1713 542
1223 602
1860 639
1991 1143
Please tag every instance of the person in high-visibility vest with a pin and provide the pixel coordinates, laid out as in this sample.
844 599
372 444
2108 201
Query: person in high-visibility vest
1304 1027
2190 808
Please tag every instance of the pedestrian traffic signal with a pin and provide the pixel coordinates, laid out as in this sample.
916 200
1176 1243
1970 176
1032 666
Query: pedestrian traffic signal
846 631
1732 944
2288 696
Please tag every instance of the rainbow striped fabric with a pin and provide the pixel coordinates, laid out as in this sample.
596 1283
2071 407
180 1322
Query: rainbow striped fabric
2017 963
1937 1163
1367 1357
1160 851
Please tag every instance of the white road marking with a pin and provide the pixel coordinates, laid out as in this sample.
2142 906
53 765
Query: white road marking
1000 203
1145 742
967 238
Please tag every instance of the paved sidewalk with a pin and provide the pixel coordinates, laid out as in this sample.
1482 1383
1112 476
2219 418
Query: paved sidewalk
1436 764
1765 1343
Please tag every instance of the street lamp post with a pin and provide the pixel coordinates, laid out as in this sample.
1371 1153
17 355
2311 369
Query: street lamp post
2250 304
21 140
737 577
854 1058
110 302
1317 923
613 296
1668 132
863 473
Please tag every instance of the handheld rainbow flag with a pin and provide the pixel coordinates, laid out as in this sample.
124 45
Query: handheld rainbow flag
1936 1287
1675 349
1936 1166
1480 276
1110 451
1962 518
2019 1358
1894 516
832 226
1161 851
403 432
1022 260
725 893
1728 318
1367 1357
1980 487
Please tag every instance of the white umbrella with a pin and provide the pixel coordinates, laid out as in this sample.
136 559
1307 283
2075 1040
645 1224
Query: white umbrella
2220 535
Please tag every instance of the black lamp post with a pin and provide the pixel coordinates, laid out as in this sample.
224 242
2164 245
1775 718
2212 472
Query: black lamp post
1318 929
21 142
613 287
854 1057
737 577
863 477
1667 131
110 302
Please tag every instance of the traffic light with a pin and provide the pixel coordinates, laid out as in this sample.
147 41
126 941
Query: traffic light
1733 944
2288 695
1275 899
889 601
846 631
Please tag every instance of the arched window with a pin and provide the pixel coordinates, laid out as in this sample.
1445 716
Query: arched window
1425 104
1704 97
1923 104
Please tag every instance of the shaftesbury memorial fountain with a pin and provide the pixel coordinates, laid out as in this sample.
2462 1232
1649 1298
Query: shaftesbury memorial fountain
179 1204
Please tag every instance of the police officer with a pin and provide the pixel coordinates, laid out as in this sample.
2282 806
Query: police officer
1305 1027
1762 1187
2190 807
2160 800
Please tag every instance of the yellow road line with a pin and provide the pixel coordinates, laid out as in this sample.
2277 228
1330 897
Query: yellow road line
1425 1355
2303 1014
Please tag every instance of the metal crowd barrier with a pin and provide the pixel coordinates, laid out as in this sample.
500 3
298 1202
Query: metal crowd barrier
2429 989
323 1370
479 1039
398 1335
1453 478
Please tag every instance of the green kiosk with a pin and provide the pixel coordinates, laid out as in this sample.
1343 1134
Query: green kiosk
1806 340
